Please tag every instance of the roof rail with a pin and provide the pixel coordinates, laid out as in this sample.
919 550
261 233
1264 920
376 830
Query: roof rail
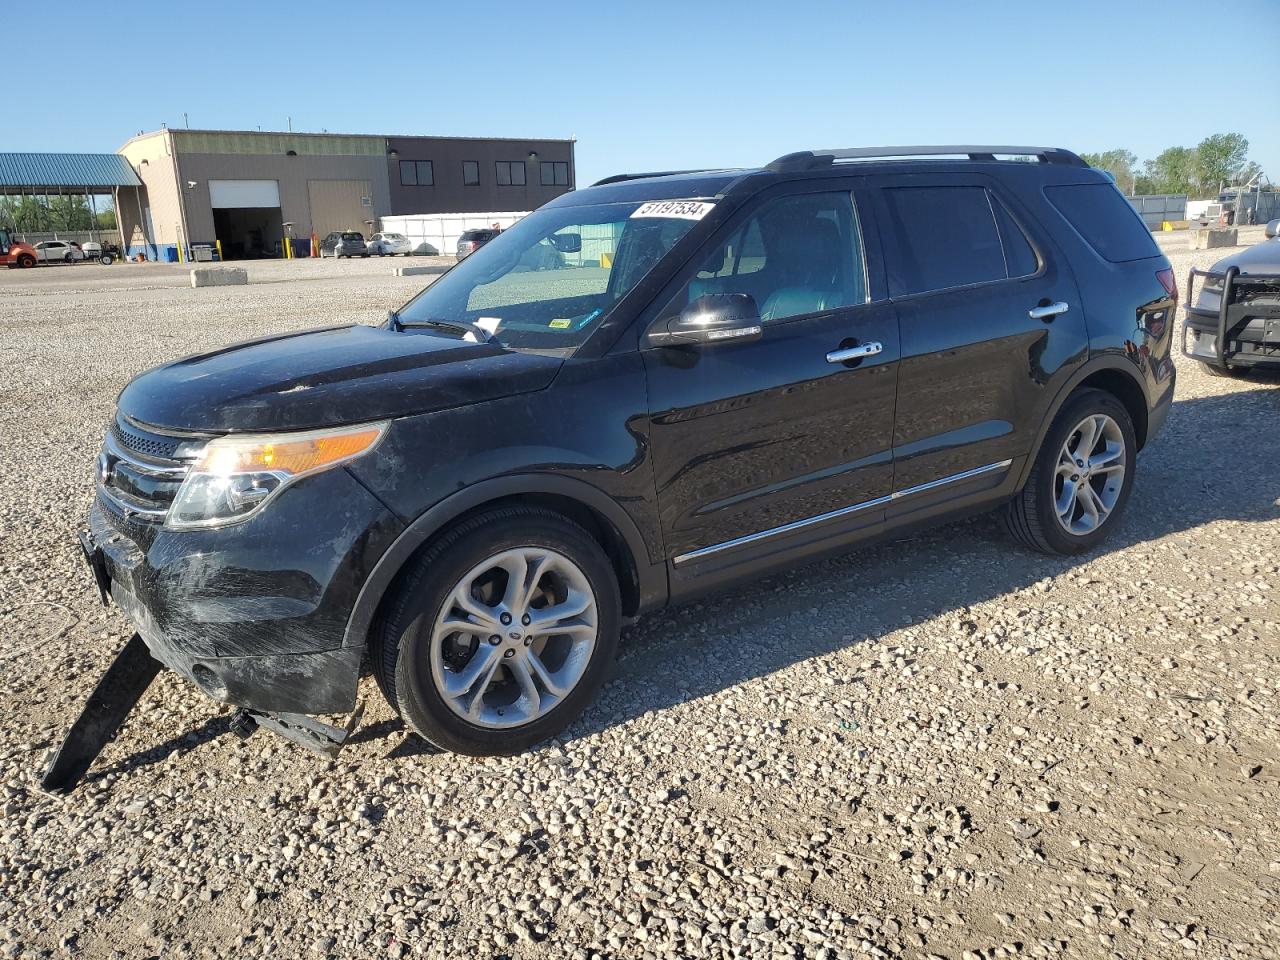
622 177
817 159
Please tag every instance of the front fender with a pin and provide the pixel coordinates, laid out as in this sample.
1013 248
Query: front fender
652 577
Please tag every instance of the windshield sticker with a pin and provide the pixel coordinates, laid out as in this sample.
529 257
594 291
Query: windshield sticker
674 209
563 324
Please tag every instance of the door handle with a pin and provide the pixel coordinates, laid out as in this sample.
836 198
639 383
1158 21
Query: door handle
855 353
1047 311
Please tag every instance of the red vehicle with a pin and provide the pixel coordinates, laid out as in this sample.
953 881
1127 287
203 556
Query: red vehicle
15 253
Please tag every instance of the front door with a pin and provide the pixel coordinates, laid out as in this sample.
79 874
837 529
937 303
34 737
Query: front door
775 445
986 341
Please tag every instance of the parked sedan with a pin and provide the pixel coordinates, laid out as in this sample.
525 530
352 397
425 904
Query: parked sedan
344 243
390 244
57 251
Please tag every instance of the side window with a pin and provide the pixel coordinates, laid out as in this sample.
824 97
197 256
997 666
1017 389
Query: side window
1105 219
795 255
1020 259
940 237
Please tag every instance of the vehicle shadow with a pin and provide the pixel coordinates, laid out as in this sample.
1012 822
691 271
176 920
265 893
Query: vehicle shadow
1215 461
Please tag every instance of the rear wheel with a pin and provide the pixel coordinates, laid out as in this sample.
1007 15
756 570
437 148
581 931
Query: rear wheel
1081 479
1229 372
500 634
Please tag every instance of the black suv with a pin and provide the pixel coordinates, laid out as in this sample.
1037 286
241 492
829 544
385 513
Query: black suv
719 373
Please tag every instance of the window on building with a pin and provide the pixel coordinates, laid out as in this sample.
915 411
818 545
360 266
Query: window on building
470 172
510 173
416 173
554 173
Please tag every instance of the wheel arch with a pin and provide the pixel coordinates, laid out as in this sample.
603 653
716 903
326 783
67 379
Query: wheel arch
643 585
1111 374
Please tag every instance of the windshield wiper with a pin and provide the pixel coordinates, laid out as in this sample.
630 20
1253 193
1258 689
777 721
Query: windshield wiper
480 333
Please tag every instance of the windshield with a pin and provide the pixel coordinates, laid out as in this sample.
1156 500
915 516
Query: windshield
547 282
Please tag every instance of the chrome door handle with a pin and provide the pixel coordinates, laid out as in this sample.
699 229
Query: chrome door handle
855 353
1048 311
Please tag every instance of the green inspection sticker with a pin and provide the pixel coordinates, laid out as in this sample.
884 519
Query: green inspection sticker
560 324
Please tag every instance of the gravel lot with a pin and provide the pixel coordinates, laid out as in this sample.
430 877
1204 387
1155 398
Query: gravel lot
941 746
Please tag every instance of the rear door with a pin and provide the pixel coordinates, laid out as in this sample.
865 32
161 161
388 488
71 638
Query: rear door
775 446
991 327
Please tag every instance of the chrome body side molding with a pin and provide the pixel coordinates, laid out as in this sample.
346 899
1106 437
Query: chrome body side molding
842 512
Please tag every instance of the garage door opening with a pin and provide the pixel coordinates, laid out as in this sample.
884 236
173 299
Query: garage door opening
250 233
246 218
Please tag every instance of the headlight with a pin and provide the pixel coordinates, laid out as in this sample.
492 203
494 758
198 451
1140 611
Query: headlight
235 476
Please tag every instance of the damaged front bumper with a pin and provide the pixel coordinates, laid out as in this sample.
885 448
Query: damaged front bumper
255 613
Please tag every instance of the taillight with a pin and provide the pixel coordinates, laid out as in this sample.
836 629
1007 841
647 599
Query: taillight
1169 282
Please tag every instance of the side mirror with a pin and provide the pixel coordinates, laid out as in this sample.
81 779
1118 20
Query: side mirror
1273 229
567 242
711 319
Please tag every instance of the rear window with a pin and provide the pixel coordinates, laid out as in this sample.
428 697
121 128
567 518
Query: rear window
353 236
1105 220
940 237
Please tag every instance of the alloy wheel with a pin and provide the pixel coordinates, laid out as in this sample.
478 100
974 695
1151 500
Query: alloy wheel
514 637
1090 474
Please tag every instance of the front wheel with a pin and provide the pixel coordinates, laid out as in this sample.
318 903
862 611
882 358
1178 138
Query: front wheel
501 632
26 261
1081 479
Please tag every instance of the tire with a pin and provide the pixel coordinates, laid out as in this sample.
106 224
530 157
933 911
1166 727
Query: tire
414 655
1034 517
26 261
1227 372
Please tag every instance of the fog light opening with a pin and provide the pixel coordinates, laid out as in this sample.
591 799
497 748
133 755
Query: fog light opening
209 682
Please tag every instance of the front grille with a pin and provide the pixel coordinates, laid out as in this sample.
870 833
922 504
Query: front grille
147 444
138 478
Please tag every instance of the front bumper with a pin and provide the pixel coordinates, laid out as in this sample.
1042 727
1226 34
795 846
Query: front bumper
253 613
1255 343
1242 329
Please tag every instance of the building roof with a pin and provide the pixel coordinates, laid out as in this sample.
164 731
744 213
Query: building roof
180 131
40 171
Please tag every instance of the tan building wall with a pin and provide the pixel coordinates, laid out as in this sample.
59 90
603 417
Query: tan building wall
151 156
293 174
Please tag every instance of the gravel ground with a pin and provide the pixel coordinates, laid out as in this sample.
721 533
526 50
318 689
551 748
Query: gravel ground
943 746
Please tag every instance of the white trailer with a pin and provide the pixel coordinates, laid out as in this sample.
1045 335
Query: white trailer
436 234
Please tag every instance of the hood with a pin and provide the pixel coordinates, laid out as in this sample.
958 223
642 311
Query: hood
1262 257
324 378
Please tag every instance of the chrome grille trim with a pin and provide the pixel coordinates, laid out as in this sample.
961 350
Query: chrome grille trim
151 469
129 508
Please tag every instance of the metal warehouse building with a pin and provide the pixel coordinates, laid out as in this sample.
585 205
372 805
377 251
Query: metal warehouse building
246 191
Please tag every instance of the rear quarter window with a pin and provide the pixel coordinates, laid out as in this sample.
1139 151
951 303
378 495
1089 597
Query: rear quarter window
1105 220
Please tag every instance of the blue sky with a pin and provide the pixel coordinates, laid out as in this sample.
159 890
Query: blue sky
654 85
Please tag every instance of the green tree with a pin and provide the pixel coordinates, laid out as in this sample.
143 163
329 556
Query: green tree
106 219
70 212
1174 170
1219 157
1121 164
